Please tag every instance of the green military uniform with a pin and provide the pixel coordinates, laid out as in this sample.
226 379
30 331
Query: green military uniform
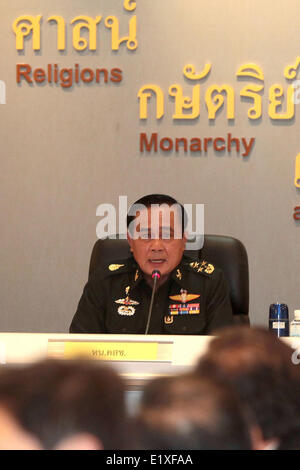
194 300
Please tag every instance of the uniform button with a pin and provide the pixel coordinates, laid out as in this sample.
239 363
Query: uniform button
124 330
184 328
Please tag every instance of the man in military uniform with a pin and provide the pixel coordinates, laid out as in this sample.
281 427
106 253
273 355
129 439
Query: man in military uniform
191 296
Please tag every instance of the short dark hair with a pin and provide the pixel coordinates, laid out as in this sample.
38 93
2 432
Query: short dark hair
55 399
188 412
259 367
159 199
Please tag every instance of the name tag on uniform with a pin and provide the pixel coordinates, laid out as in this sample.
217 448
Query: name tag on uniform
184 309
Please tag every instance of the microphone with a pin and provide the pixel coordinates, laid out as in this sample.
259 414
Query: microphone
155 276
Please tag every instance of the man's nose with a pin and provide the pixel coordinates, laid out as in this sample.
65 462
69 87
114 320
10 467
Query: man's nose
156 244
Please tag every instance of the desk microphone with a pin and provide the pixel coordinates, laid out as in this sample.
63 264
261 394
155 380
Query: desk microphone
155 275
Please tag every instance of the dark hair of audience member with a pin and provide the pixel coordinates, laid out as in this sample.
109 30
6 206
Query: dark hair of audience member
53 400
259 367
291 441
186 412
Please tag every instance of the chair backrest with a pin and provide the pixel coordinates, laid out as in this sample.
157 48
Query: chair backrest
227 253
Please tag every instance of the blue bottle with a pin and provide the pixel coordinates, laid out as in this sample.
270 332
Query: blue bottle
279 319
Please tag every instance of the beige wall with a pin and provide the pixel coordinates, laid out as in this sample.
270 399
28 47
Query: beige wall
64 152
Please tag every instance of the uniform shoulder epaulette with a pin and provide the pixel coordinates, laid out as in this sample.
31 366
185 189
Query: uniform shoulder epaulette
119 266
114 268
202 267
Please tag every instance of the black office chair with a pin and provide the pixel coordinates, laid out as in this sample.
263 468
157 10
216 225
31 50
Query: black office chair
227 253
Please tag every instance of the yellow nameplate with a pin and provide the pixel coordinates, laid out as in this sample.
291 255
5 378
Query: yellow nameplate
111 351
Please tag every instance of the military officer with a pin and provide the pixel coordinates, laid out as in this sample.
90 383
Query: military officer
191 296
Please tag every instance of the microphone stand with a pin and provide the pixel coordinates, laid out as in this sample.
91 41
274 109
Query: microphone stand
155 275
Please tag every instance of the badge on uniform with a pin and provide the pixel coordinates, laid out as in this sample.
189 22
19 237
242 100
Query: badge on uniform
184 308
126 307
168 319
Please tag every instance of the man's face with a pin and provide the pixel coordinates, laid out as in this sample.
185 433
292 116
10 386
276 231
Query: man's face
157 241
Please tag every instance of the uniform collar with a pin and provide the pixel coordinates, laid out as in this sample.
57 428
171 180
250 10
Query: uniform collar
137 277
178 274
137 274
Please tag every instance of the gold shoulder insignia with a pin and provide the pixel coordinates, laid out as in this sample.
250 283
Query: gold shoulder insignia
210 269
114 267
194 264
204 267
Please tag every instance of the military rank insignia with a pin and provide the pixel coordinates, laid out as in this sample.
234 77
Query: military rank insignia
126 304
203 267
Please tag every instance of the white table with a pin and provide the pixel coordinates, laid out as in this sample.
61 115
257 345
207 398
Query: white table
182 354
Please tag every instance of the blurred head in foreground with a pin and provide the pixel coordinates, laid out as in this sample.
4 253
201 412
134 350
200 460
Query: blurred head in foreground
259 367
62 405
187 412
